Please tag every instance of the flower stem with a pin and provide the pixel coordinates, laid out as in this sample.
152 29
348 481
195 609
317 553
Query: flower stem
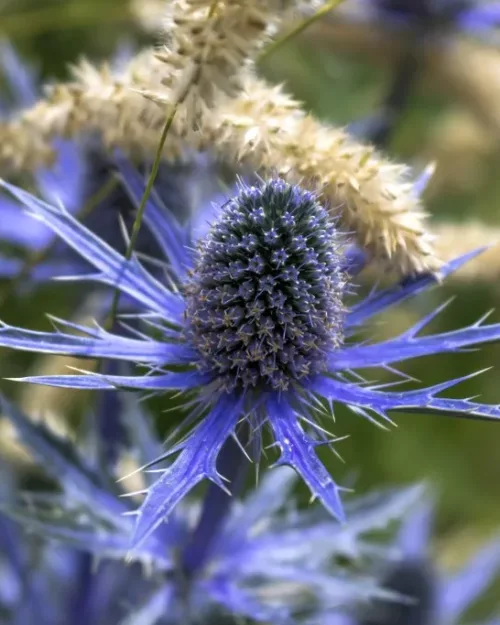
232 465
154 173
298 29
140 212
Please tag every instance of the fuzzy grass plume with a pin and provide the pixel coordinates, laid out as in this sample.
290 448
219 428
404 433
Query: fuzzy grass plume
260 127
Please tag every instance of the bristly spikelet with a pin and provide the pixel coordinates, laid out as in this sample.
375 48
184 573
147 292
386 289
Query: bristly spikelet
96 99
262 127
209 41
268 130
150 14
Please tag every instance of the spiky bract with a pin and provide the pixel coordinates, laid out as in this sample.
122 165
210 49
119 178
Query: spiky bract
433 596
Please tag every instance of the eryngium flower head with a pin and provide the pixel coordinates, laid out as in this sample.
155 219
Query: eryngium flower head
269 562
430 16
433 597
434 12
264 301
221 400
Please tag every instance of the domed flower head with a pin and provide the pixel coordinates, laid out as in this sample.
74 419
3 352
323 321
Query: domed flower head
269 561
433 597
250 321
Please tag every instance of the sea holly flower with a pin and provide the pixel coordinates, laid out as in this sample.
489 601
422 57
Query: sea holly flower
465 15
251 323
81 179
471 17
436 597
270 562
64 182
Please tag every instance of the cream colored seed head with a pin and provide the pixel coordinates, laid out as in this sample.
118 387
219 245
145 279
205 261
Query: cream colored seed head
267 130
208 43
205 70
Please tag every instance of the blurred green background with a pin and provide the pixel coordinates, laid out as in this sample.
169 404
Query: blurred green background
460 457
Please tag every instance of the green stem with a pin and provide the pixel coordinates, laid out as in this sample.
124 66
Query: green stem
144 200
271 48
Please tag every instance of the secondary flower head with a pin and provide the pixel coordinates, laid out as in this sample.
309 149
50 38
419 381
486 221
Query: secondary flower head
264 300
436 12
467 16
82 178
433 596
248 323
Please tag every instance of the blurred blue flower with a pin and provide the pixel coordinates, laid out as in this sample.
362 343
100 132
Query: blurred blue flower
422 22
81 179
251 324
477 18
433 597
270 562
65 182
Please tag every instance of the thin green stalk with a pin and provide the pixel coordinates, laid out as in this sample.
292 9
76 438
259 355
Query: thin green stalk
152 177
144 200
271 48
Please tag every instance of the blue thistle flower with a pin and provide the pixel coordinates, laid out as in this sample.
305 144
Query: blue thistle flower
270 562
472 17
423 21
64 182
432 597
77 179
264 301
250 323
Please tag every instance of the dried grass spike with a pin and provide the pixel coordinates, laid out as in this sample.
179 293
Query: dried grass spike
95 100
209 41
262 128
267 130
